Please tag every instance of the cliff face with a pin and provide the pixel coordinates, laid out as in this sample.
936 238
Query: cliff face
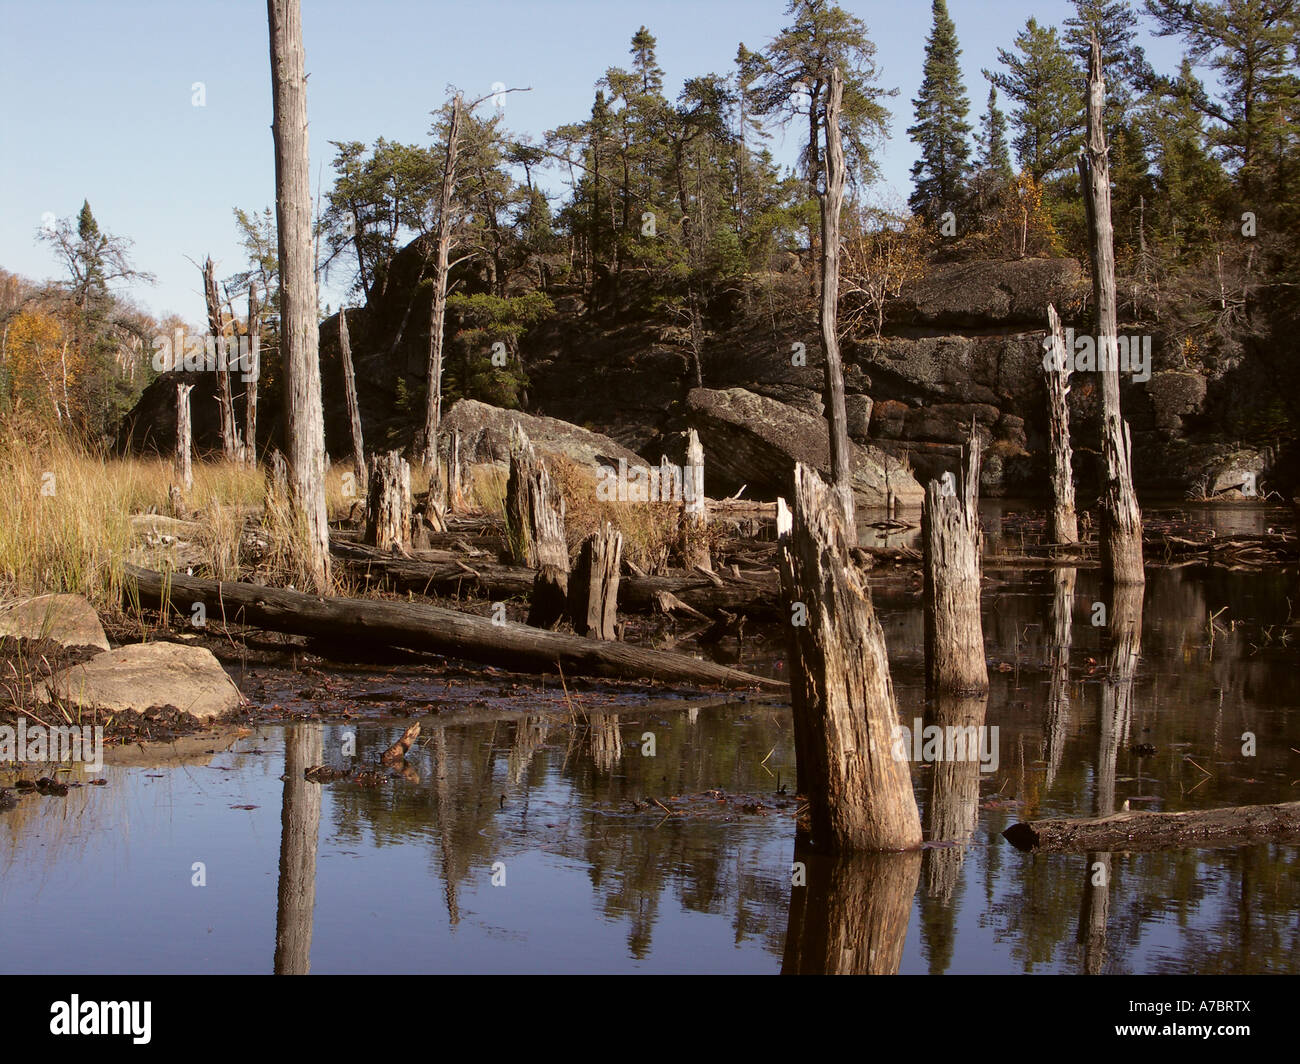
963 344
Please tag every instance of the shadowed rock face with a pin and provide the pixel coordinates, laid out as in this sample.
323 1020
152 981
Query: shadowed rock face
989 293
485 436
751 439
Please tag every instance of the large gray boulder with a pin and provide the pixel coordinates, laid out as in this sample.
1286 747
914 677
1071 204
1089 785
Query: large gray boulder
751 439
68 620
485 436
137 677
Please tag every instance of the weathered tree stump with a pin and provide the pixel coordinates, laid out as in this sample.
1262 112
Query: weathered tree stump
695 515
593 584
1121 520
951 541
1063 525
456 501
277 479
184 439
388 503
535 527
860 796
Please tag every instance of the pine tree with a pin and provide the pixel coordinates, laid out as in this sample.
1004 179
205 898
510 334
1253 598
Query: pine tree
995 156
1042 82
941 129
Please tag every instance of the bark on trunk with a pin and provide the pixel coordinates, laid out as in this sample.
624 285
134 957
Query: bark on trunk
225 399
350 397
438 308
455 474
859 794
432 630
832 200
300 329
535 517
1121 520
593 585
951 537
1064 524
388 503
184 441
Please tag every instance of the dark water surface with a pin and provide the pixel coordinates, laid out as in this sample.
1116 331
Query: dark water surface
593 876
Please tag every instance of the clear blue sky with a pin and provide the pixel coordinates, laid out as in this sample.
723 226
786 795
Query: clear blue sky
98 100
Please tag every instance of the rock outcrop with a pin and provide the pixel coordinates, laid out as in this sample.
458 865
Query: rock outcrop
68 620
485 436
754 440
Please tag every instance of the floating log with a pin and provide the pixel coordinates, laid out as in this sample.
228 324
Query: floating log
416 626
388 503
860 796
1233 826
593 585
951 537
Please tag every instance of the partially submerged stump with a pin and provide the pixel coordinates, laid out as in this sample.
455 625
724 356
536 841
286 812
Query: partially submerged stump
593 584
951 538
1063 525
388 503
535 525
860 796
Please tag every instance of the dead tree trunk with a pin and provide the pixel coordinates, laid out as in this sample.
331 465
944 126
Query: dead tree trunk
184 441
1158 831
350 397
695 516
304 423
950 533
299 835
859 795
455 479
438 308
593 585
1064 524
832 200
252 374
277 479
1121 520
221 348
535 521
388 502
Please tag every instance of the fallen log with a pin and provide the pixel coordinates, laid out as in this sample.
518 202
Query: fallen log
427 628
1233 826
754 592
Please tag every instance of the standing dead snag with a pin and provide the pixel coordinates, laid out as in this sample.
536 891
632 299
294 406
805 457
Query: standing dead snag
593 585
455 474
184 445
250 382
1064 523
832 200
388 502
1121 520
951 541
860 796
221 347
695 511
535 526
304 422
350 397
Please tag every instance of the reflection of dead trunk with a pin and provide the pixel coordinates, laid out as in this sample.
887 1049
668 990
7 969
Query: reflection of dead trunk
860 796
953 808
444 824
851 918
952 539
1063 526
299 833
606 741
530 736
1125 629
1058 695
1094 912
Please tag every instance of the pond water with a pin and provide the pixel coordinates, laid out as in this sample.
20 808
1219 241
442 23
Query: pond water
551 842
